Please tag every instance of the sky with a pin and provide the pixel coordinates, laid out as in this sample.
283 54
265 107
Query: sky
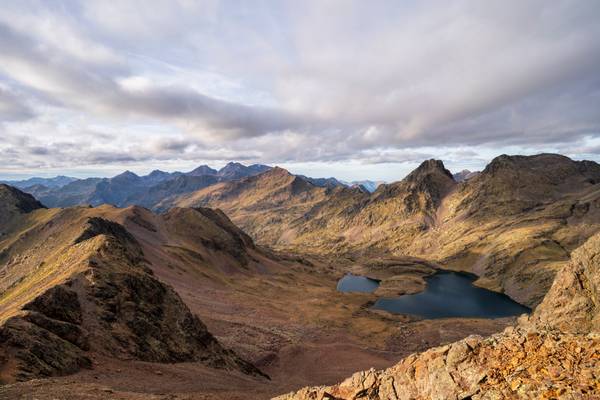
352 89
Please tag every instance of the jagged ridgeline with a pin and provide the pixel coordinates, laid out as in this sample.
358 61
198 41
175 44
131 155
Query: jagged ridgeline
74 283
128 188
513 224
82 282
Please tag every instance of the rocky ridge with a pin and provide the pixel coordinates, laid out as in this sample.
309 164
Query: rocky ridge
83 289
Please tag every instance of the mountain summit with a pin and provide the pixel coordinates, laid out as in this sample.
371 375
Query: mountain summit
14 202
234 170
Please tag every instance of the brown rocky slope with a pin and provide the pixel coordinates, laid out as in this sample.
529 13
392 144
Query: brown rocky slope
264 205
513 224
555 353
280 311
76 285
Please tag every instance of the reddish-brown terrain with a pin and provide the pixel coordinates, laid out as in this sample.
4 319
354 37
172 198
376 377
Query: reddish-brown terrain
110 302
279 312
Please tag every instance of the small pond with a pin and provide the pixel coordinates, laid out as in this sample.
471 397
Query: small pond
355 283
448 294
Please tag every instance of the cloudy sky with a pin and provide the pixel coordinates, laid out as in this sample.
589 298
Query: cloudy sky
355 89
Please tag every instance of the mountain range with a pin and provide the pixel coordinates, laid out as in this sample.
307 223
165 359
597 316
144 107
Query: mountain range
56 182
511 224
221 284
128 188
149 190
471 221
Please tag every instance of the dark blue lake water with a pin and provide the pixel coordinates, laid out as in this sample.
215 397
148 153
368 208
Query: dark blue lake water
448 294
355 283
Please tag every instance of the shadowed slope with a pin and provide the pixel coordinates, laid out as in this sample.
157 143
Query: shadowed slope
14 202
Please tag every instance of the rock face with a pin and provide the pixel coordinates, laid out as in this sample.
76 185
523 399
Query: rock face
573 302
13 198
555 353
100 298
422 190
511 365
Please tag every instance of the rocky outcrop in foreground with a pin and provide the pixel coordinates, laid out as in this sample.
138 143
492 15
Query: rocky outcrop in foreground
553 354
514 364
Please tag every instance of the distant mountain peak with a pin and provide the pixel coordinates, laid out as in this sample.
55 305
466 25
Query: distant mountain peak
465 175
126 175
235 170
330 182
158 172
428 167
368 185
203 170
13 200
232 166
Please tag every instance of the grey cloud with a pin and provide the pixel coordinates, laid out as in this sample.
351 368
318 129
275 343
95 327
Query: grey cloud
378 83
455 74
38 150
229 119
13 108
173 145
36 153
97 90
